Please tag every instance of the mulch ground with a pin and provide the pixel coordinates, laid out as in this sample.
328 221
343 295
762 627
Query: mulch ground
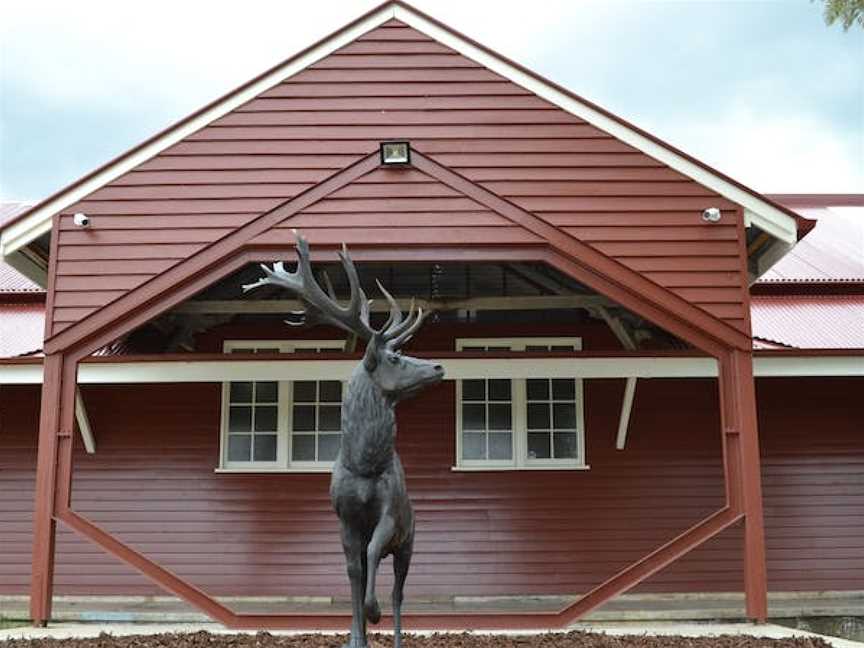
552 640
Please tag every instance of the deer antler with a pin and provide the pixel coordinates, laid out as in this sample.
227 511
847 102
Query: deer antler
398 331
322 304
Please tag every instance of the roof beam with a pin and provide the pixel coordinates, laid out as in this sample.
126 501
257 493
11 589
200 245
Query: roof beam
282 306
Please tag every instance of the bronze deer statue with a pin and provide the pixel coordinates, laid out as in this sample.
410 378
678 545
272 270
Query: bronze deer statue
367 488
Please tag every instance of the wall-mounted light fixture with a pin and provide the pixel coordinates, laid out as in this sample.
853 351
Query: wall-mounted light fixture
395 153
81 220
711 215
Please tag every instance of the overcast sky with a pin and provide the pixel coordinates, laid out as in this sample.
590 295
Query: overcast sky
763 91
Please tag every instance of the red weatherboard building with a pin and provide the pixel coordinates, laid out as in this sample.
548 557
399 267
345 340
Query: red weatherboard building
603 302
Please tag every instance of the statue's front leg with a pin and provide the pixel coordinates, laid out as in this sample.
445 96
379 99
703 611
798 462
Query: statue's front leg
354 558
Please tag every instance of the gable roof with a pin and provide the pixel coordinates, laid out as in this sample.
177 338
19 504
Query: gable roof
771 217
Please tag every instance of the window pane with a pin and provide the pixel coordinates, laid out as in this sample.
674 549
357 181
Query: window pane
536 347
499 416
498 348
266 392
474 445
473 417
241 392
563 389
304 391
239 447
564 416
538 416
265 447
242 351
500 445
566 445
304 418
265 418
240 419
562 347
539 445
329 418
473 348
328 446
303 447
473 390
538 389
330 391
499 390
267 350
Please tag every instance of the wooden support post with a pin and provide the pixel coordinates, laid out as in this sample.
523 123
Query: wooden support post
743 478
53 477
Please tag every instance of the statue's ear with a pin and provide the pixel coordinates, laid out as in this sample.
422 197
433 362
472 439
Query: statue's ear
370 358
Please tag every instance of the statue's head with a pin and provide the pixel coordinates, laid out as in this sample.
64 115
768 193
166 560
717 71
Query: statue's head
397 375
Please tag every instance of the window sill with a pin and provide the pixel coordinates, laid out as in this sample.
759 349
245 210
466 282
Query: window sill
516 468
273 471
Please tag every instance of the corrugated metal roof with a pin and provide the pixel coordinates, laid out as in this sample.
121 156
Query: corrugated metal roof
10 210
809 321
21 329
12 281
833 252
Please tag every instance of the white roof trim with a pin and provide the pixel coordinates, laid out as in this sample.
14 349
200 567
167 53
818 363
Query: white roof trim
760 213
173 371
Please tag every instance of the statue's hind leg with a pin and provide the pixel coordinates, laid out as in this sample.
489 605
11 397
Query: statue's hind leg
401 563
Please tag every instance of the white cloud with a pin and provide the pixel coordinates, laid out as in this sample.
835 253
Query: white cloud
763 120
773 152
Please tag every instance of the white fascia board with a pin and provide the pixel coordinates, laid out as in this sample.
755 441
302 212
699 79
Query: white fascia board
29 374
803 366
761 213
38 222
455 368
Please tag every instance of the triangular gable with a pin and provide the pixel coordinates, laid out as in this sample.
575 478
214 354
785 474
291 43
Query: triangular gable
513 227
770 216
395 81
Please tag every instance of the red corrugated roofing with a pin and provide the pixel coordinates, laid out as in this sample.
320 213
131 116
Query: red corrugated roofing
833 252
809 321
21 329
12 281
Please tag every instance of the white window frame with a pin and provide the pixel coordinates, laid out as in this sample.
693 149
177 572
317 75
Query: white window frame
285 409
519 413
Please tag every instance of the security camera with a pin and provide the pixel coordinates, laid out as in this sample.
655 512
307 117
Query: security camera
81 220
711 215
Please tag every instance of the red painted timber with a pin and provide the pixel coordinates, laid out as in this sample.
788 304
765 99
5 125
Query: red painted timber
146 473
305 129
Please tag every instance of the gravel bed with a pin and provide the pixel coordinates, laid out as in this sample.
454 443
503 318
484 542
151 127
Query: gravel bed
551 640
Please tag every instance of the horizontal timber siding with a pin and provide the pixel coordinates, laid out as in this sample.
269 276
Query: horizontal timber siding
395 82
152 484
